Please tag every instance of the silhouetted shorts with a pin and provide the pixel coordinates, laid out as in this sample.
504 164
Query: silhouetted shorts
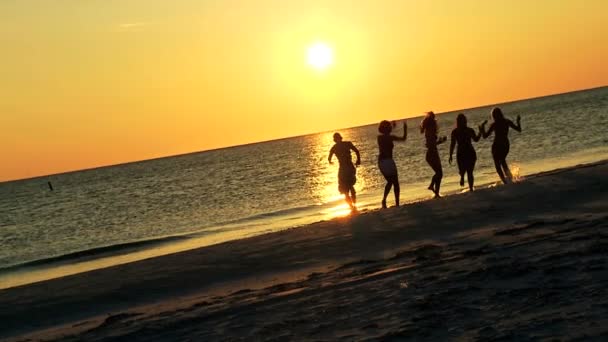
387 168
347 177
466 161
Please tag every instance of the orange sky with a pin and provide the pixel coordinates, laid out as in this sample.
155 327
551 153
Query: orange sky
97 82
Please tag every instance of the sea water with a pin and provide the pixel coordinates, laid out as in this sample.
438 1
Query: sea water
104 216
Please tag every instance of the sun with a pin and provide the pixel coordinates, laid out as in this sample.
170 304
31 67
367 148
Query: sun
320 56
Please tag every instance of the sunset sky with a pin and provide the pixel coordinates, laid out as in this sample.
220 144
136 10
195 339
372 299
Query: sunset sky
86 83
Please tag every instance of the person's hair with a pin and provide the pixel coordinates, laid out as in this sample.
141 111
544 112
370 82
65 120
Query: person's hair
497 114
461 121
428 122
385 127
337 136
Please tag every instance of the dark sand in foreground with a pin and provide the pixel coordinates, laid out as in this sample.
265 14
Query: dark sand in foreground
521 262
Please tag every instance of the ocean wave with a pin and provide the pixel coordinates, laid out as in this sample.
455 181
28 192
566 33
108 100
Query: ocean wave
93 253
128 247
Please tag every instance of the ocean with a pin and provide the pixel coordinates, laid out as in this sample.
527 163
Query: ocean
111 215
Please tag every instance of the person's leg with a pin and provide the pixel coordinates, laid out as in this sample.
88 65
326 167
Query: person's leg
437 178
435 163
429 161
348 200
397 190
460 159
387 189
499 154
470 169
506 170
498 167
353 196
344 190
470 178
389 171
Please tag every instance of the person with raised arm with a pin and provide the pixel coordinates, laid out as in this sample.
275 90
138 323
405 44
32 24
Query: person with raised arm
386 163
500 146
347 173
429 128
465 155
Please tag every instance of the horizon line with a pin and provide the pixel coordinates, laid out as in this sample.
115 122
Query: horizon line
289 137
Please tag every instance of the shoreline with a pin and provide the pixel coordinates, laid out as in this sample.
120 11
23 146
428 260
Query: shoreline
132 251
247 266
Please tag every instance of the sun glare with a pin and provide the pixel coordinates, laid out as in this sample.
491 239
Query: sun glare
320 56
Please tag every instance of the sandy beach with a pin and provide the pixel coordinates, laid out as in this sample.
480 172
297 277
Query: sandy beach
527 261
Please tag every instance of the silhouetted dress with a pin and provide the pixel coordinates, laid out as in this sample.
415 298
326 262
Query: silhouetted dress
465 153
347 173
385 158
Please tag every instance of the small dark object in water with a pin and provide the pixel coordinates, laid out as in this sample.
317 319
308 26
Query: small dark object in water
50 186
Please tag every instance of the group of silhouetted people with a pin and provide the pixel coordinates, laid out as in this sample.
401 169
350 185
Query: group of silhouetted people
462 136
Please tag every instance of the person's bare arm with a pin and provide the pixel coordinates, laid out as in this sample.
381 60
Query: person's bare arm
404 137
331 154
352 147
474 136
452 146
514 126
483 129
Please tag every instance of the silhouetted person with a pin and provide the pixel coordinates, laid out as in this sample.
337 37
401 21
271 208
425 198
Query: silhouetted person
465 155
347 171
385 158
500 147
428 126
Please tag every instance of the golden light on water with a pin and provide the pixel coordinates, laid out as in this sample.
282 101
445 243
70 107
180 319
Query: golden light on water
516 172
338 211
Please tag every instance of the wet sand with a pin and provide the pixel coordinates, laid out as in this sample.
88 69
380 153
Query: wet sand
525 261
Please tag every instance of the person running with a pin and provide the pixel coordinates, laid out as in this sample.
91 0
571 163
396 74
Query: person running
465 155
386 164
347 171
428 126
500 146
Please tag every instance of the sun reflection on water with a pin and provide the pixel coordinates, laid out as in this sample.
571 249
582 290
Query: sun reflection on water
516 172
339 210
